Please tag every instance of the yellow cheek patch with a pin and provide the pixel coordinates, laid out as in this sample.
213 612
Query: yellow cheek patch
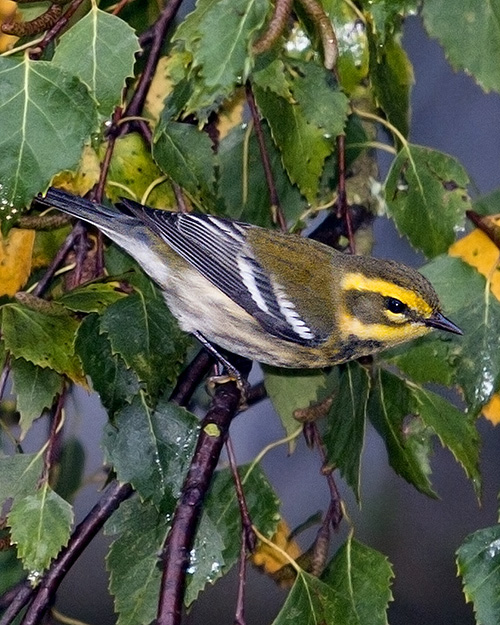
389 335
359 282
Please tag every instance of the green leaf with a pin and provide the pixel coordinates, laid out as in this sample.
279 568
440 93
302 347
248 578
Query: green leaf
426 196
406 436
217 544
92 297
145 334
185 154
305 129
385 15
100 49
40 526
46 115
391 75
45 338
151 449
19 475
346 422
460 28
242 186
406 415
291 390
429 359
133 562
487 204
478 560
115 383
364 576
311 602
35 388
219 34
476 310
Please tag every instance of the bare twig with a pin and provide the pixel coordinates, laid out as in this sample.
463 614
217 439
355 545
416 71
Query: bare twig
342 206
335 513
328 38
239 614
246 521
160 29
278 215
192 375
53 448
18 602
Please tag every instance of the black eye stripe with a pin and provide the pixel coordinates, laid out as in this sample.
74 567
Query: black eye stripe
395 305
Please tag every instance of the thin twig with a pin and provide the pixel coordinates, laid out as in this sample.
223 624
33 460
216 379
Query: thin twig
276 208
52 451
179 542
160 29
191 377
22 598
335 512
239 614
80 539
328 38
246 521
342 206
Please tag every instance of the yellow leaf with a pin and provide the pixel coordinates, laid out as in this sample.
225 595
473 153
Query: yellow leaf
15 260
7 14
84 178
161 86
492 410
231 114
270 559
478 250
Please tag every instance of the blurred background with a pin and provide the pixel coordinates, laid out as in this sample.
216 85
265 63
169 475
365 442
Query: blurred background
418 535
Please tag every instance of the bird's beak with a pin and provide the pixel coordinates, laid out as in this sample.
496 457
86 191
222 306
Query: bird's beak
439 321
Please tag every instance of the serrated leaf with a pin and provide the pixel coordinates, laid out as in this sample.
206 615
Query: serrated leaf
456 431
305 129
46 115
346 423
460 28
292 390
152 345
132 560
426 195
219 34
311 602
100 49
474 308
217 544
92 297
35 389
151 449
111 379
19 475
44 338
406 437
364 576
40 526
478 561
185 154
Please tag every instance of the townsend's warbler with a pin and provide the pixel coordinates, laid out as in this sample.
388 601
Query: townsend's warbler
276 298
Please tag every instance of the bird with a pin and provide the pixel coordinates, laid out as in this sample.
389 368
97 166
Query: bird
276 298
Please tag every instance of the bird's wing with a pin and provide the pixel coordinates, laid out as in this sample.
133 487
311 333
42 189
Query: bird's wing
219 250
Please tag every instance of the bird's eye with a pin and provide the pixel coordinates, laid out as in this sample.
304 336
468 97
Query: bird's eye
395 306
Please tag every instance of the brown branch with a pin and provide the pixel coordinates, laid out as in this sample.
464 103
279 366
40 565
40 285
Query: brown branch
62 22
175 553
328 38
342 205
485 223
53 447
335 513
189 379
24 594
239 614
246 521
80 539
36 25
277 211
276 26
160 29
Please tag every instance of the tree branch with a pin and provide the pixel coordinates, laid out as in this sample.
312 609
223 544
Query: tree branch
179 542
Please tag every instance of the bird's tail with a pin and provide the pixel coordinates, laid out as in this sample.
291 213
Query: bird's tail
96 214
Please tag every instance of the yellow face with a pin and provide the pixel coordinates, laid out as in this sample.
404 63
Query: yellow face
379 310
